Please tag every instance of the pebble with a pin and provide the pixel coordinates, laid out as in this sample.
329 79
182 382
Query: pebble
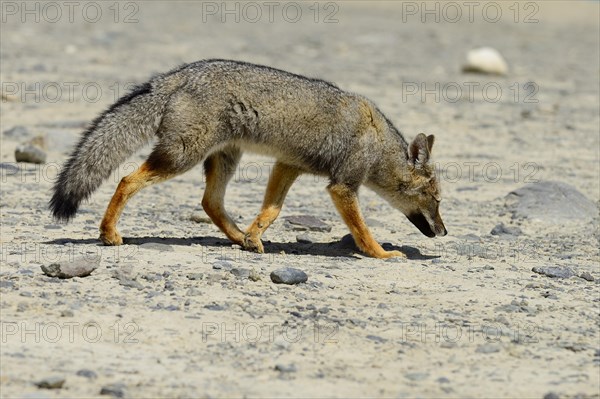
488 348
288 275
554 271
416 376
79 267
240 272
115 390
502 230
304 239
126 279
254 275
87 373
222 264
485 60
306 222
51 383
587 276
30 153
551 395
286 368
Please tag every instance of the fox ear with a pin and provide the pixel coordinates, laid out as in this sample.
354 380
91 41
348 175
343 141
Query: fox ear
419 149
430 140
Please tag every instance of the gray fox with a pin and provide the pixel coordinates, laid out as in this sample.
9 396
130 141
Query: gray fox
210 111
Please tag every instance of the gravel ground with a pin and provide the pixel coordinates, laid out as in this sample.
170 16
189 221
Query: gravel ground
179 312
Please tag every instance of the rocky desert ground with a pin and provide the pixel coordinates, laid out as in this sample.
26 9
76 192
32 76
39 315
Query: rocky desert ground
506 305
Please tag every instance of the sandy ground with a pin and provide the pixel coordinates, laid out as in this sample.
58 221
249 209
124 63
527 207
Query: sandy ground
463 316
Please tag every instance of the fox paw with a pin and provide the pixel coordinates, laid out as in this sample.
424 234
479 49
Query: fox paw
253 244
390 254
111 238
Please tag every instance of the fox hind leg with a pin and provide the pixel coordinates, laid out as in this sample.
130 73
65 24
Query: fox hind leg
281 179
144 176
218 169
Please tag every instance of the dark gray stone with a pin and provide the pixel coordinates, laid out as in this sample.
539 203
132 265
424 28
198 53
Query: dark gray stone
550 201
286 368
79 267
240 272
51 383
87 373
7 284
554 271
222 264
586 276
115 390
306 222
502 230
288 275
30 154
347 242
551 395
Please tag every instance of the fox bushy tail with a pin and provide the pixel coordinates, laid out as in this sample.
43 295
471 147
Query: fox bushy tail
113 136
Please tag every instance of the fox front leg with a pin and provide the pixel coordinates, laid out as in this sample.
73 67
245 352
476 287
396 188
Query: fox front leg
281 179
346 201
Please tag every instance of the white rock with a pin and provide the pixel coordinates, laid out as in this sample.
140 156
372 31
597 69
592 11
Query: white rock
485 60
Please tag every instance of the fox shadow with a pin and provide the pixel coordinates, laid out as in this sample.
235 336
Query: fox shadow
343 248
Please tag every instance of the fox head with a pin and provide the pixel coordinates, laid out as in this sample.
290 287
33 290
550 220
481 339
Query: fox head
413 188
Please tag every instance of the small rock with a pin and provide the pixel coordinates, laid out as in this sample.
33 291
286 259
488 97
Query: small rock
377 339
67 313
222 264
485 60
304 239
347 242
286 368
501 230
416 376
551 395
7 284
240 272
443 380
115 390
306 222
126 279
193 292
79 267
195 276
51 383
488 348
254 275
30 153
586 276
554 271
90 374
288 275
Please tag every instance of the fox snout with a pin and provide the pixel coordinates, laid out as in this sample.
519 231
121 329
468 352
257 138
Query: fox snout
436 228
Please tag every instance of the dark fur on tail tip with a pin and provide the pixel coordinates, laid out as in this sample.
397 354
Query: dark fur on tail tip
63 207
